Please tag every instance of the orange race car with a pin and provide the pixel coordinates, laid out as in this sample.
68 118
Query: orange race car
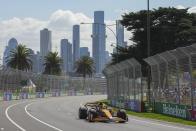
99 112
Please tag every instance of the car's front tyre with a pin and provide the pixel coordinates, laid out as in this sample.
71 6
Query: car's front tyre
82 113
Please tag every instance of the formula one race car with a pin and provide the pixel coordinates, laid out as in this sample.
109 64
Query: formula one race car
99 112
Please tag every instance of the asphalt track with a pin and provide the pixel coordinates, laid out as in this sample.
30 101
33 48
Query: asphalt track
60 114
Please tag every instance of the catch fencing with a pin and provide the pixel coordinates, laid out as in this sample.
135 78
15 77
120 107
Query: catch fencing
12 80
124 85
174 75
174 81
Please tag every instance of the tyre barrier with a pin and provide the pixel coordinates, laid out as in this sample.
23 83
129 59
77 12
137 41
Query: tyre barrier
24 95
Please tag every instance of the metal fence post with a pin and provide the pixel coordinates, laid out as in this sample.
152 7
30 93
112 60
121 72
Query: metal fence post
191 76
167 85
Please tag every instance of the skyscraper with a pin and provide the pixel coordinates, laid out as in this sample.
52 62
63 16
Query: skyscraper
76 43
45 42
120 34
98 40
12 44
66 55
84 51
34 61
45 45
70 57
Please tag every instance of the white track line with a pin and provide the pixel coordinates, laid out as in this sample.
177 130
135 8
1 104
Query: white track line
175 127
39 119
6 113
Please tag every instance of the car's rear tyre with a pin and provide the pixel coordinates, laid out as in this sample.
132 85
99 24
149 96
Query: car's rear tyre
82 113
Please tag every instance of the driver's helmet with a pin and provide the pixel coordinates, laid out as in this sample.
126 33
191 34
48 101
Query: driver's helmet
102 105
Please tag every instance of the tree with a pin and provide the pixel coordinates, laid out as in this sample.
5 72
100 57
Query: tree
170 28
85 66
20 58
53 64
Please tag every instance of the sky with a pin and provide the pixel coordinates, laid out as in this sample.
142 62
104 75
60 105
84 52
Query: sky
23 19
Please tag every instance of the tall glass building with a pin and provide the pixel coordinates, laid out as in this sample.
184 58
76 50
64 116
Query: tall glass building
12 44
76 43
120 34
99 41
45 46
66 55
45 42
84 51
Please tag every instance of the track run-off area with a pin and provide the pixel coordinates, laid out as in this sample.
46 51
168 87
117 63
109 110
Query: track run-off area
61 114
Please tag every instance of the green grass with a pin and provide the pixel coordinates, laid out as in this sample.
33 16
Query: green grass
155 116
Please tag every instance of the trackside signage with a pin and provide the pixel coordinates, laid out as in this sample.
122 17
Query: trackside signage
15 96
175 110
1 97
18 96
134 105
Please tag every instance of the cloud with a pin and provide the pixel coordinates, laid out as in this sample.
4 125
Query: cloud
192 10
27 30
180 7
65 19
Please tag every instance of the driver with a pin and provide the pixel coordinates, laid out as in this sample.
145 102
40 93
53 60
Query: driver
102 105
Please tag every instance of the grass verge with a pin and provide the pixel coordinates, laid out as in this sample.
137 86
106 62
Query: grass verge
155 116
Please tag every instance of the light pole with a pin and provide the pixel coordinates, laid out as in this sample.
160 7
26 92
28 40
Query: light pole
148 48
108 27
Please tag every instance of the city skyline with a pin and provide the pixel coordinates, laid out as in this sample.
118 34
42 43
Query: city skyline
60 22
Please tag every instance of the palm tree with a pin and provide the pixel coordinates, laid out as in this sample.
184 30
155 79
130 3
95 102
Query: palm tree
53 64
20 58
85 66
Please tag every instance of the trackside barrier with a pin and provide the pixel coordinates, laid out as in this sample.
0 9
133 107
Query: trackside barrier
104 92
32 95
80 93
64 93
72 93
176 110
97 93
18 96
8 97
24 95
56 94
1 97
126 87
132 105
40 94
48 95
89 93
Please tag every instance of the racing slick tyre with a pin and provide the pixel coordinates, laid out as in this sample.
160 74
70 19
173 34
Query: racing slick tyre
90 117
122 114
82 113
